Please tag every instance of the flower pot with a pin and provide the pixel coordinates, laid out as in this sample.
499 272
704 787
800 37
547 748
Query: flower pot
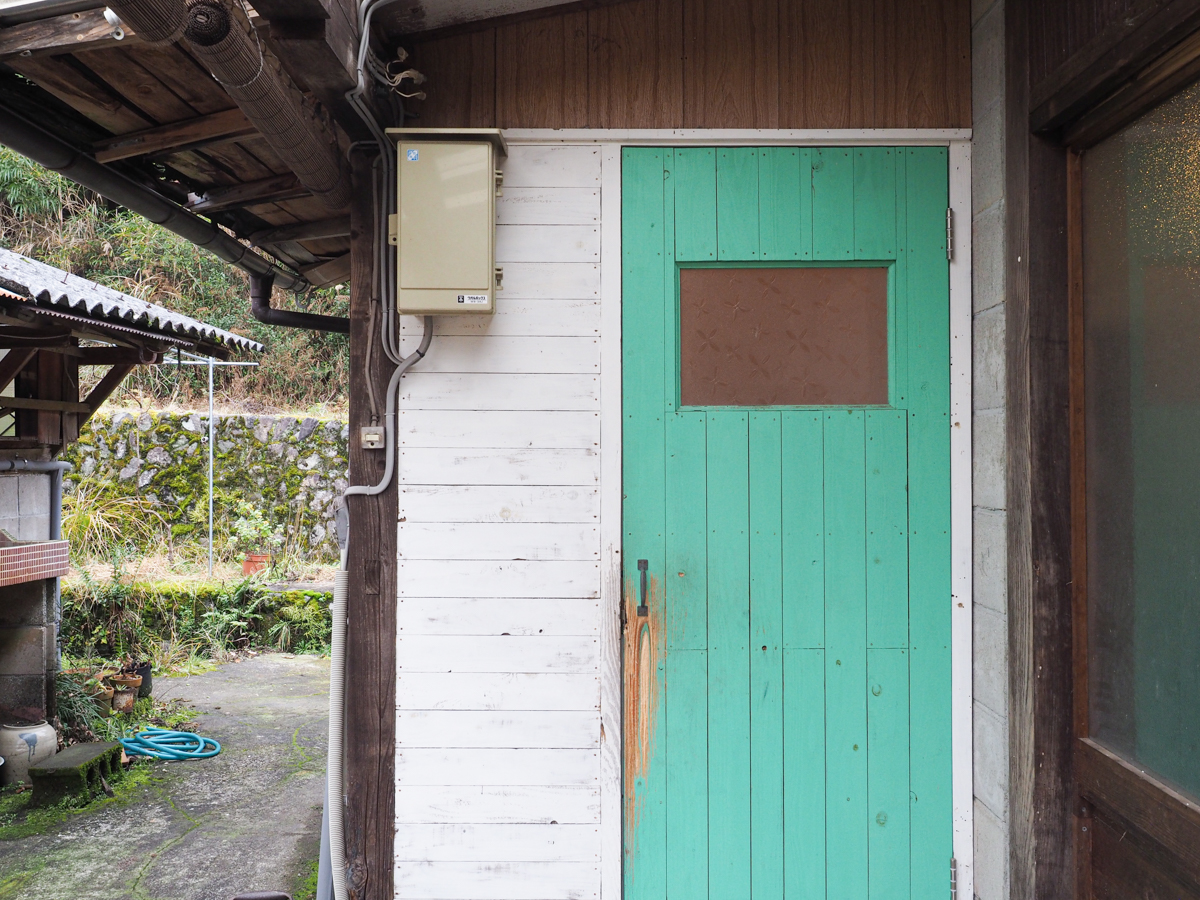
23 746
147 676
102 695
123 699
125 680
255 562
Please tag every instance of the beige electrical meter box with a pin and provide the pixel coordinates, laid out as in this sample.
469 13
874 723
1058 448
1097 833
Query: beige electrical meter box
445 224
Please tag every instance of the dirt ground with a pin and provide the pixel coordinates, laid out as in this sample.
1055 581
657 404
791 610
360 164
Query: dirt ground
248 819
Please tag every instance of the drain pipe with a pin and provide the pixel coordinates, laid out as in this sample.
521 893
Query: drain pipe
261 309
335 797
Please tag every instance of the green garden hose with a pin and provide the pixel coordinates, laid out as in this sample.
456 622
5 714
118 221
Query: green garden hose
161 743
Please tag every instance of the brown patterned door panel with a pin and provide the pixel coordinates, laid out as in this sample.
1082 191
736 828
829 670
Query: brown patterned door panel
797 336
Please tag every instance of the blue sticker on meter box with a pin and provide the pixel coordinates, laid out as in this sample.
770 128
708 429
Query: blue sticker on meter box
413 155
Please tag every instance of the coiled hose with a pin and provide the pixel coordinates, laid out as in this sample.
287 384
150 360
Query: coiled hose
162 743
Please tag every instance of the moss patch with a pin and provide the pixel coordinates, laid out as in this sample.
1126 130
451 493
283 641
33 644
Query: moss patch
18 819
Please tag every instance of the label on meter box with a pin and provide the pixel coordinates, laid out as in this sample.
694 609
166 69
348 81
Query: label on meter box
473 299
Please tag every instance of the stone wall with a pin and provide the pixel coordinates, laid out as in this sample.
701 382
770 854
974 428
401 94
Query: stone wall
291 470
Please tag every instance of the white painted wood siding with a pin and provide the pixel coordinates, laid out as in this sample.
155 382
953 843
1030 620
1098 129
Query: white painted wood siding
498 767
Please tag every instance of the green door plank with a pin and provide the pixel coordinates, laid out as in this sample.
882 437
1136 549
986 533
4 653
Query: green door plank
804 774
846 656
887 528
802 485
687 773
833 203
929 516
737 203
785 203
875 203
685 581
643 338
766 656
695 180
728 662
887 774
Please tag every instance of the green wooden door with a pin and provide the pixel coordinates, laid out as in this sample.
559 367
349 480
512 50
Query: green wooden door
787 713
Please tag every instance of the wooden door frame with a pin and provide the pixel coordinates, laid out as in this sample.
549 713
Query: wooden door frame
610 144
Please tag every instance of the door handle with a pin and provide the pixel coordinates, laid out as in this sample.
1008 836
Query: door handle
643 565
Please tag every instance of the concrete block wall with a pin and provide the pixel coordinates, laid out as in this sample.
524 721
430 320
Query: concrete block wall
25 505
28 655
990 551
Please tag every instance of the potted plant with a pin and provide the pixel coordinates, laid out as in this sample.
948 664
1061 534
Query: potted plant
126 686
253 538
101 694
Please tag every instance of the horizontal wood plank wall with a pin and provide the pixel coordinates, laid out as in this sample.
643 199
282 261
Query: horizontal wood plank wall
498 661
707 64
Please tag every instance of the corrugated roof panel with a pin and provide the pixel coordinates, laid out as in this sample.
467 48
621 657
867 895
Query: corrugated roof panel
46 285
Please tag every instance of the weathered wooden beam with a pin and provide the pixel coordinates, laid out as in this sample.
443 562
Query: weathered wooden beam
291 9
14 361
329 272
317 42
265 190
339 226
109 383
60 34
370 722
113 356
186 135
43 405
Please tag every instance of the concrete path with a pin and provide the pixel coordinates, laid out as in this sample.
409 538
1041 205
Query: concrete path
249 819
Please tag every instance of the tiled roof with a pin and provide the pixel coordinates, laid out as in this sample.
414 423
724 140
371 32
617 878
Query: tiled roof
49 287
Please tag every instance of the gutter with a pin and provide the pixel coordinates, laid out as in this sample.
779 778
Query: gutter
55 154
261 309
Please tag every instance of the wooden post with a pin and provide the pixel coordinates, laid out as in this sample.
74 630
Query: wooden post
371 605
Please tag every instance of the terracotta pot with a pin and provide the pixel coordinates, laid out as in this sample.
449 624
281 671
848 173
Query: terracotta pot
102 695
255 562
123 699
126 681
23 746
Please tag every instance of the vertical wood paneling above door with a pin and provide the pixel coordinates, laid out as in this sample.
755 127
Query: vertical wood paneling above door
635 65
731 64
707 64
463 92
542 72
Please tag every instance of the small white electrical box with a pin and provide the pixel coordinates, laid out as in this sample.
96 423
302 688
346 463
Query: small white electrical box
444 230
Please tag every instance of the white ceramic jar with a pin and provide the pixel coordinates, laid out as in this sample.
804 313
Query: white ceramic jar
23 746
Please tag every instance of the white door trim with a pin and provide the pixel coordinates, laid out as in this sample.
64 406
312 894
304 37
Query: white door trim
959 143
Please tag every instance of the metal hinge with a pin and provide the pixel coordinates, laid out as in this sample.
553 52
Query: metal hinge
949 234
953 861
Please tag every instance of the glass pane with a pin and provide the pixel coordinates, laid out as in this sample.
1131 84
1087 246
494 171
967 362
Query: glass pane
1141 217
783 337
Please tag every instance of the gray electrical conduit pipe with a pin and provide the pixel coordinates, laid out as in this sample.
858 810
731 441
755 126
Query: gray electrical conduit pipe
335 795
57 155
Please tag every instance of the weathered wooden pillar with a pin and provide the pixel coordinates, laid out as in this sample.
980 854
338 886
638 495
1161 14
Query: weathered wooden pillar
371 606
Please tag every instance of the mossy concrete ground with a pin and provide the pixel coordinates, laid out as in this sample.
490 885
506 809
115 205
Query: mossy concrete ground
248 819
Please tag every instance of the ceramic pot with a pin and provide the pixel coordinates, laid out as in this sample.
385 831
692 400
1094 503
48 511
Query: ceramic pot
123 699
255 562
23 746
126 681
145 672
